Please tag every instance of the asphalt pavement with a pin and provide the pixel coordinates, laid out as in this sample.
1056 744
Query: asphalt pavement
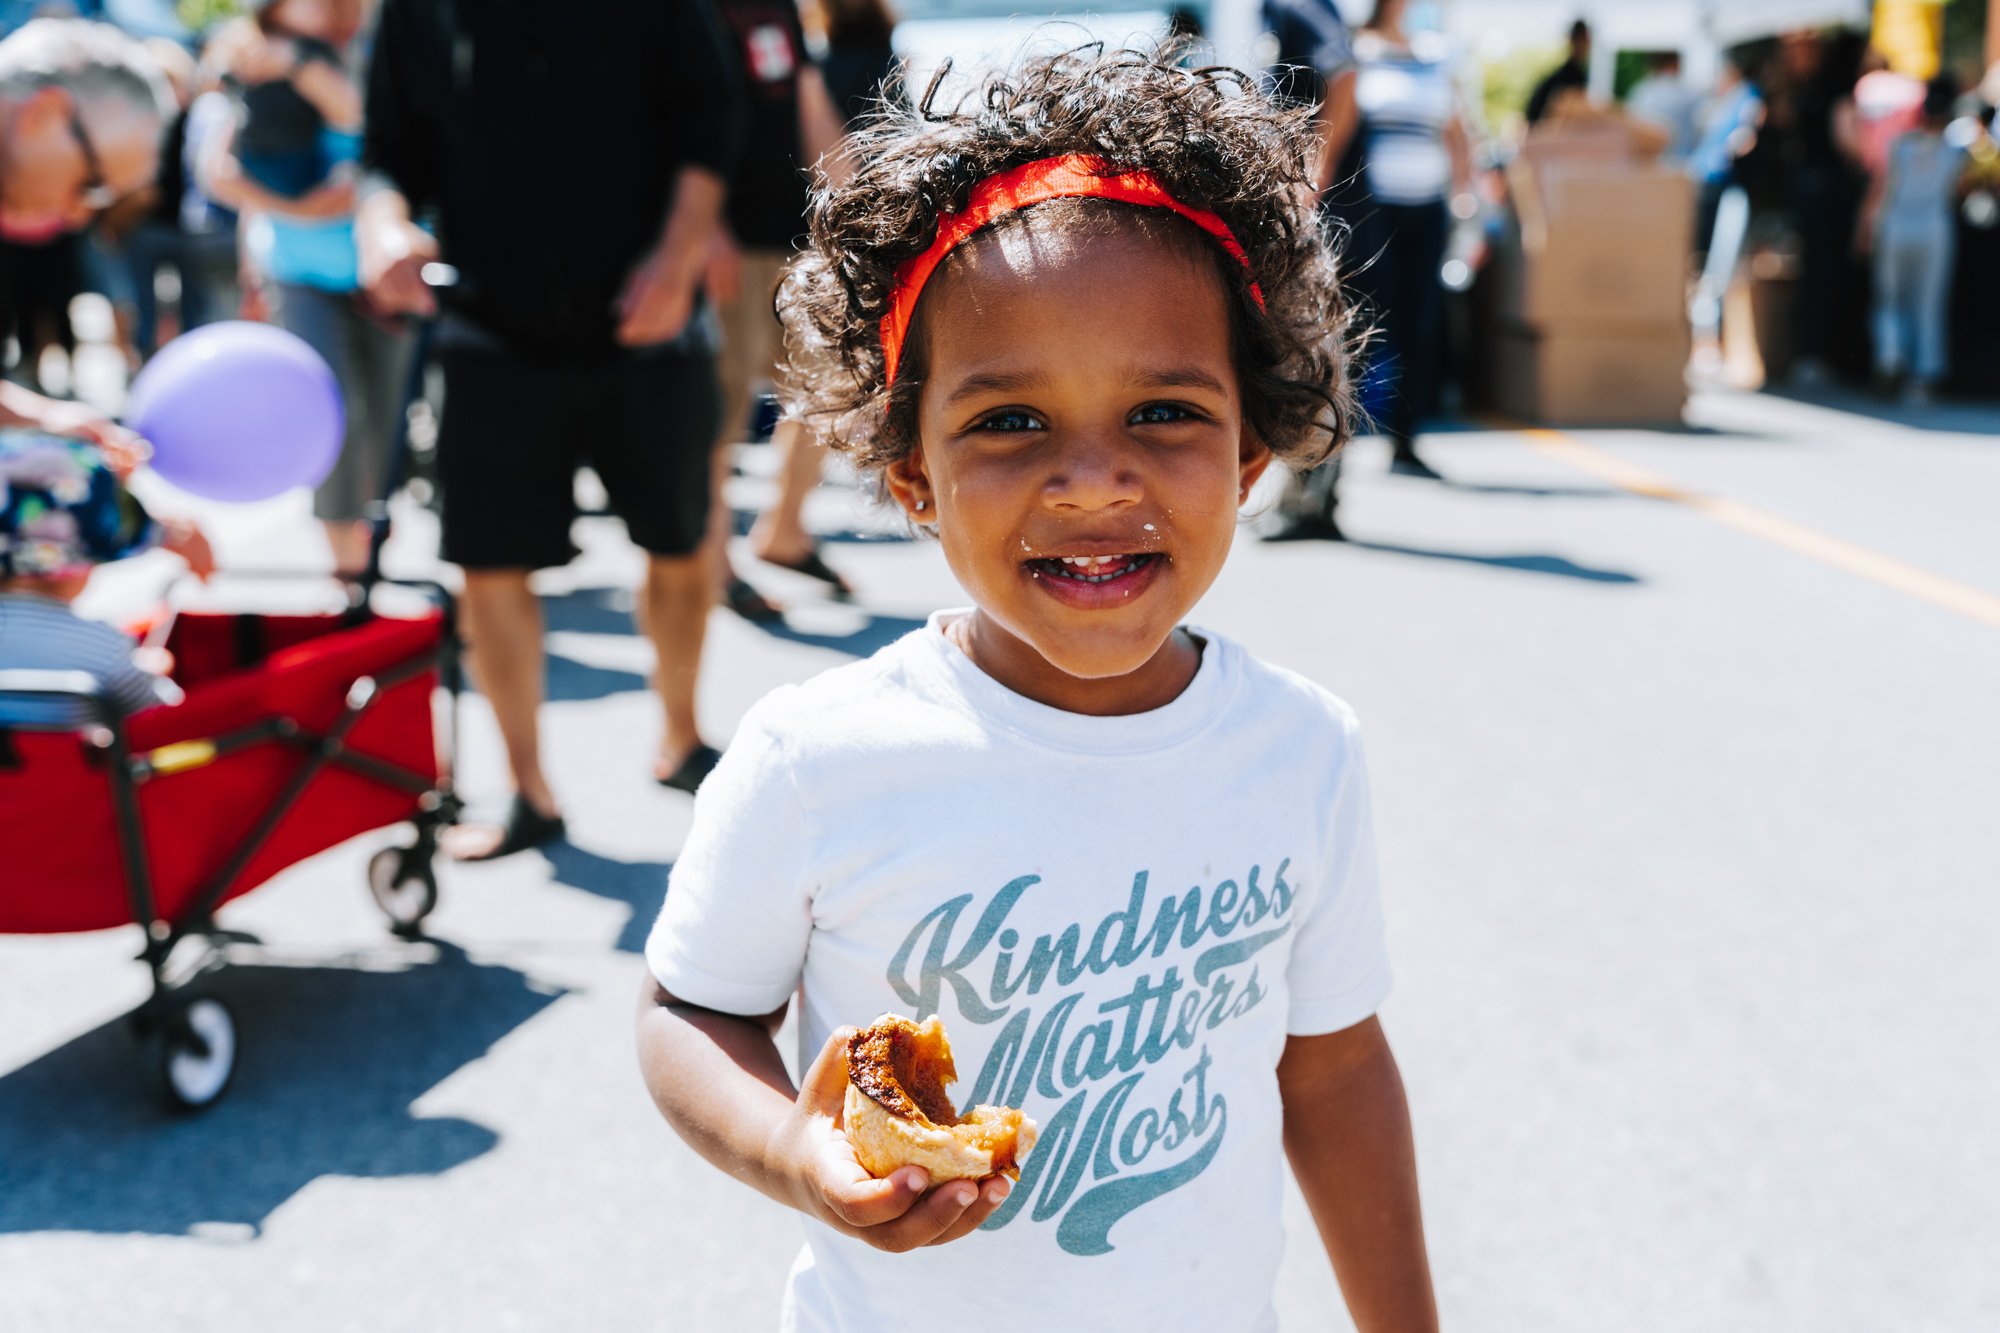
1684 745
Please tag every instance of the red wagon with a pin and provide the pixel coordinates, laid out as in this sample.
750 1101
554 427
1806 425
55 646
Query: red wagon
297 733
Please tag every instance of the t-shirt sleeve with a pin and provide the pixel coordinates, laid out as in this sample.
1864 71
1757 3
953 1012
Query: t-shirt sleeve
732 935
703 93
1332 49
1339 973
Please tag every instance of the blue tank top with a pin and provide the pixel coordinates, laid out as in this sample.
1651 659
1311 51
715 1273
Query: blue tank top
319 254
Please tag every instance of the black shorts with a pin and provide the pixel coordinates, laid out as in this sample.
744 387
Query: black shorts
515 430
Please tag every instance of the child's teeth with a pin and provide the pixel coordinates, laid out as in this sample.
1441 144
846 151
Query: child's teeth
1099 568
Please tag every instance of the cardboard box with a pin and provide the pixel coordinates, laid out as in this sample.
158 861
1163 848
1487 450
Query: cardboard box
1596 239
1585 129
1593 376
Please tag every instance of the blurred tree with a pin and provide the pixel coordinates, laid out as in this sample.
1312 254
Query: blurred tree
201 15
1506 83
1965 30
1631 67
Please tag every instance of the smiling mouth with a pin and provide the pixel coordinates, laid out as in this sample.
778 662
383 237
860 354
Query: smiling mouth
1093 568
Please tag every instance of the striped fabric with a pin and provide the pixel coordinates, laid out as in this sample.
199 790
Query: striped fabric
43 634
1406 100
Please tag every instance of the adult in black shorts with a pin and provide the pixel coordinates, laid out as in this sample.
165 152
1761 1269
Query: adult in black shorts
572 166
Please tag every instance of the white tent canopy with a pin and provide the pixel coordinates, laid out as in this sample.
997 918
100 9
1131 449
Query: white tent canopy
1699 29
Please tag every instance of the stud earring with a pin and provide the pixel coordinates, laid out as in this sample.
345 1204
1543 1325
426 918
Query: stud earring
923 505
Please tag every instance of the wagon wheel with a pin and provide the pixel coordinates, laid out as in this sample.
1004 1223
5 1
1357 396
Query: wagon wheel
404 886
197 1051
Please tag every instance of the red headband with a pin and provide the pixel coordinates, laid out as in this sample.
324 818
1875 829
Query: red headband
1072 176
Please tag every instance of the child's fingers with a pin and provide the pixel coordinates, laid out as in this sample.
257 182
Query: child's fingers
927 1221
865 1203
993 1192
825 1083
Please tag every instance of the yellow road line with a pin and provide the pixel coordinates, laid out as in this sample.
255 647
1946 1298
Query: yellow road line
1963 599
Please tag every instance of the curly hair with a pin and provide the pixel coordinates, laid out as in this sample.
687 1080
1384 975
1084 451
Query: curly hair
1207 135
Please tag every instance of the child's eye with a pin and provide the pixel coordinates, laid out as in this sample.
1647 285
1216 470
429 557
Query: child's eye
1011 419
1162 414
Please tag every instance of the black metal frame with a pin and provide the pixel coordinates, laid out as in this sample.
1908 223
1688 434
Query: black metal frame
127 772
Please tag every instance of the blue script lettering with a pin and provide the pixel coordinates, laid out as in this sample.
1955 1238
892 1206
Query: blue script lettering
1075 1145
1087 1166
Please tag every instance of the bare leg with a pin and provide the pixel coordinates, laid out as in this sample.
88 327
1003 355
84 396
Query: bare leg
745 600
502 619
673 612
349 540
715 545
780 534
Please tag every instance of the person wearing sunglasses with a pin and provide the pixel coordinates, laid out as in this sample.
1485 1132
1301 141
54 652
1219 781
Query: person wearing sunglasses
82 109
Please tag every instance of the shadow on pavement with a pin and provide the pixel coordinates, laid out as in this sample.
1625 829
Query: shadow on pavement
1527 564
642 885
1688 430
744 519
863 536
570 681
591 611
329 1060
876 633
1946 416
585 611
607 611
1539 492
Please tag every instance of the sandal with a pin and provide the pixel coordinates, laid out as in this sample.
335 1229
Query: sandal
813 567
693 769
525 827
752 605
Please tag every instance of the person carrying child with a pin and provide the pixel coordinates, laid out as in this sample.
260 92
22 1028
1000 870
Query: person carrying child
301 107
63 512
1067 326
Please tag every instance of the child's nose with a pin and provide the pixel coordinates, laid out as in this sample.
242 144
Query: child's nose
1093 474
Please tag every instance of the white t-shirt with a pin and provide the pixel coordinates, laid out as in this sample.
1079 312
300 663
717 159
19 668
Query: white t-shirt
1120 920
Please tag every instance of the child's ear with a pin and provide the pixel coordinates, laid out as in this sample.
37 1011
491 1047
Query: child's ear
1251 460
910 486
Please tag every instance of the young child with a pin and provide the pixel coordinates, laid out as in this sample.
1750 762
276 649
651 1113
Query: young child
63 512
1130 866
302 115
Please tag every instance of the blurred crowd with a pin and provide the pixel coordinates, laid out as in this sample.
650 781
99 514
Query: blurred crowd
1874 195
579 225
575 225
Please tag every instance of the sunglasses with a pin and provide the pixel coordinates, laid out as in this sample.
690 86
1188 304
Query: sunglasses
96 194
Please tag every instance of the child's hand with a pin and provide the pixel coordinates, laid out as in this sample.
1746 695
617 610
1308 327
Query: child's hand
897 1214
122 447
185 539
154 661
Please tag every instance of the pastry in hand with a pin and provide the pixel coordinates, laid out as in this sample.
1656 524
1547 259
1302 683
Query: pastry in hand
897 1114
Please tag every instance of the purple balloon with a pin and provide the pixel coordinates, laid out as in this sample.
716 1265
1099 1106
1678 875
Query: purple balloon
238 411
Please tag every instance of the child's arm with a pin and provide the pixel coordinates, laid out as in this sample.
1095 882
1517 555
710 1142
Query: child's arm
222 176
334 95
123 448
1347 1133
719 1081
